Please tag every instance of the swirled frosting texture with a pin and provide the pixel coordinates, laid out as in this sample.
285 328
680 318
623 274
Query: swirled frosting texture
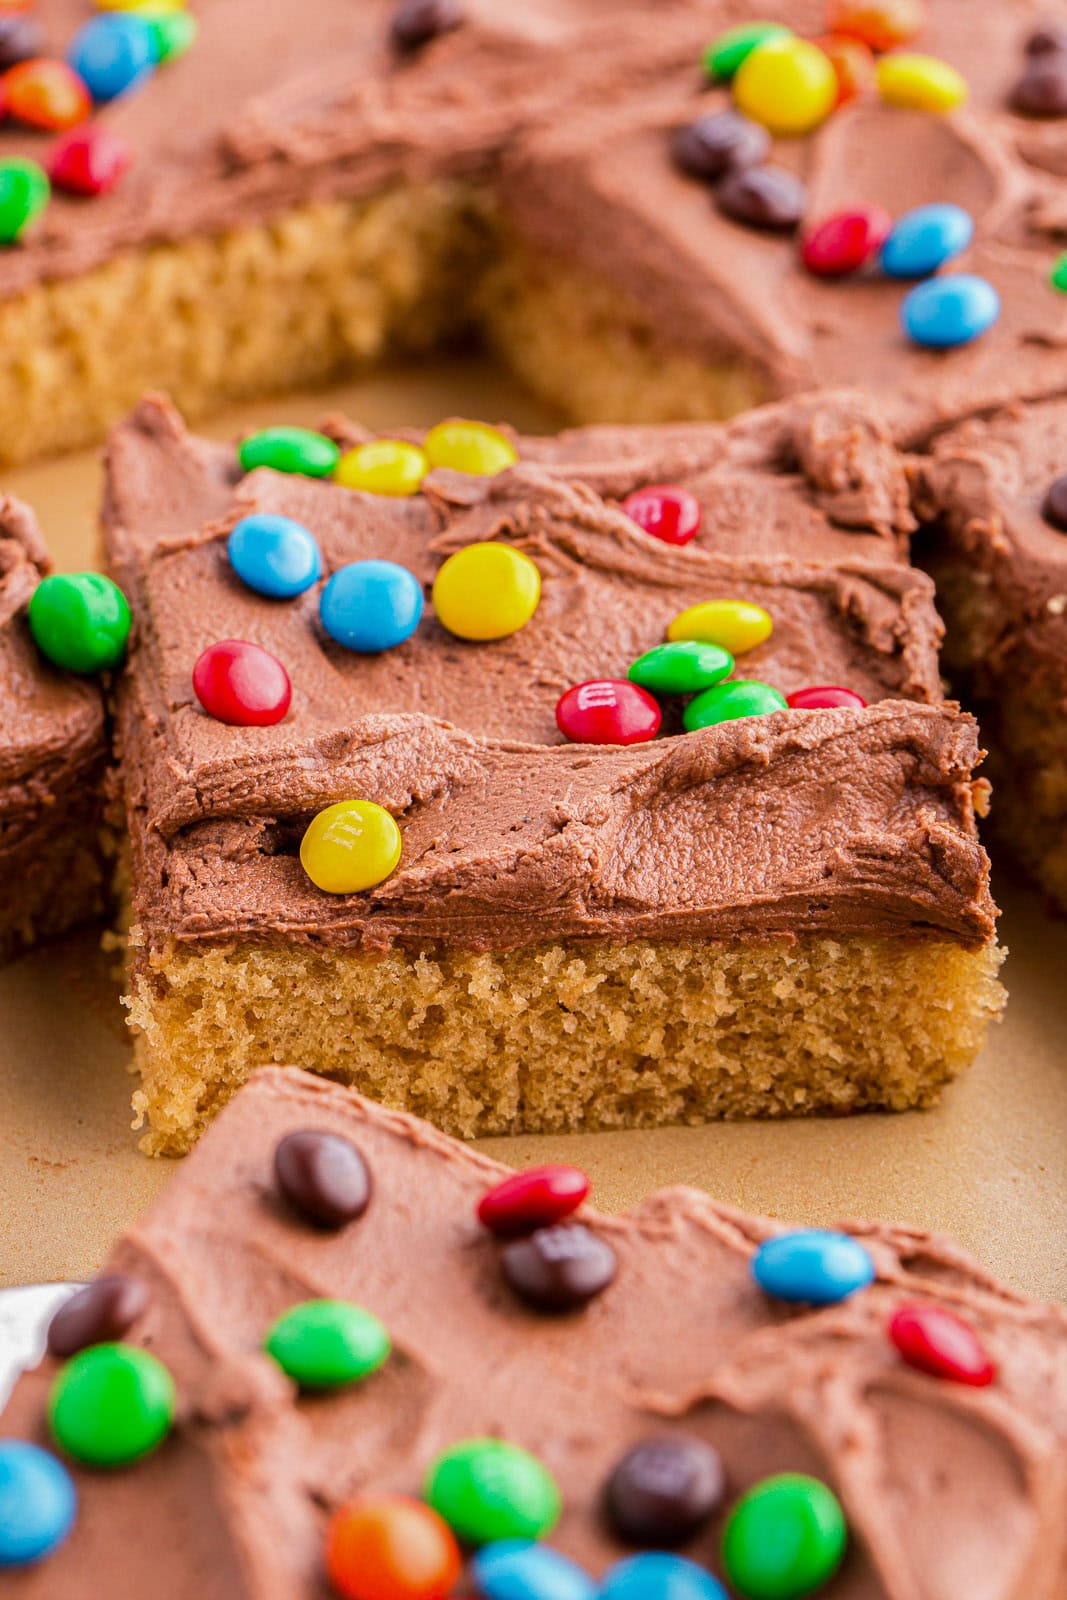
837 820
948 1491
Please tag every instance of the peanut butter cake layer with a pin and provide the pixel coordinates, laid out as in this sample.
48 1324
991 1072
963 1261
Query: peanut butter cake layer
995 495
400 1371
399 812
53 749
650 215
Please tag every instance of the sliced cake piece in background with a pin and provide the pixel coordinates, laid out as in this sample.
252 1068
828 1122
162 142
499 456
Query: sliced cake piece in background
763 914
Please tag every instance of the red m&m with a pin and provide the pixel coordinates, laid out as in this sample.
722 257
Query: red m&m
936 1341
666 512
89 160
846 241
530 1200
608 711
242 684
826 697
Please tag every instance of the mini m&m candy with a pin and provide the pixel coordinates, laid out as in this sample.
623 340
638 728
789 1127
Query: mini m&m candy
656 1575
919 83
812 1266
881 24
172 33
111 1404
1058 275
934 1340
845 242
325 1344
726 53
38 1503
767 197
608 711
784 1539
734 625
684 667
24 194
89 161
274 555
416 23
487 1490
46 94
532 1199
665 1490
787 85
518 1569
709 148
350 847
825 697
296 450
80 620
1054 505
944 313
666 512
923 240
370 606
471 447
242 684
390 1547
741 697
383 466
322 1177
853 65
21 39
559 1269
100 1313
112 54
486 591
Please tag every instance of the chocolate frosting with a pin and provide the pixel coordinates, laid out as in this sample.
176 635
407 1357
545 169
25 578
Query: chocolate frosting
847 821
947 1490
563 111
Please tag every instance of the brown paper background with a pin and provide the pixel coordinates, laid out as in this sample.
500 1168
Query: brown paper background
987 1165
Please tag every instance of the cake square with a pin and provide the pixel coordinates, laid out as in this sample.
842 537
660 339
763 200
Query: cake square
53 763
778 914
684 1346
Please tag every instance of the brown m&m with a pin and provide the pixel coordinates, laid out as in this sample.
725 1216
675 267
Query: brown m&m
21 39
720 143
101 1313
664 1490
763 197
559 1269
416 22
1054 509
323 1177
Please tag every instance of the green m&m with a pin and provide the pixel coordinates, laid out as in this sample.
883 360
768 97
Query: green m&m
297 450
24 193
726 53
1058 275
784 1539
80 620
172 32
487 1489
685 667
322 1344
111 1405
743 697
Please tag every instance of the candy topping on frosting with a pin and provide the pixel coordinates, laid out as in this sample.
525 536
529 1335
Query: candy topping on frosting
45 94
80 620
38 1503
763 197
369 606
113 54
734 625
21 38
934 1340
713 145
853 64
741 697
881 24
655 1575
731 49
786 84
471 447
517 1569
559 1269
24 192
488 1489
296 450
684 667
532 1199
325 1344
274 555
390 1547
392 467
486 591
1042 89
1054 509
919 83
812 1266
665 511
416 22
846 241
943 313
665 1490
825 697
607 711
323 1177
111 1405
784 1539
925 239
89 160
242 684
351 846
98 1314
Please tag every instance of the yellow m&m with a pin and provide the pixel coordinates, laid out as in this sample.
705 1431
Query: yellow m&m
733 625
789 85
919 83
486 591
349 847
471 447
383 466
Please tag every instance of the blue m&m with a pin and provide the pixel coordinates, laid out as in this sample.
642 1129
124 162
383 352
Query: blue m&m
371 606
654 1575
922 240
517 1569
37 1503
274 555
946 312
812 1266
112 54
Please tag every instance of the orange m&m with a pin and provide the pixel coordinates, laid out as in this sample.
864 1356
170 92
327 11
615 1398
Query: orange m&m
45 94
390 1547
853 64
883 24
